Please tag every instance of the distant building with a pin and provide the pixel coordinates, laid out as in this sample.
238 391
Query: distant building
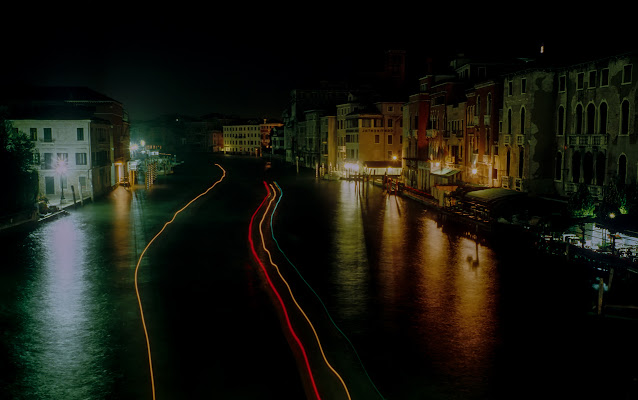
72 151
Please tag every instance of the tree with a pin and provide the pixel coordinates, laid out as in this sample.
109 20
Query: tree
581 203
20 180
614 199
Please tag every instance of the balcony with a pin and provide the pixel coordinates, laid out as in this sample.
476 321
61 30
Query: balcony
507 140
520 140
587 140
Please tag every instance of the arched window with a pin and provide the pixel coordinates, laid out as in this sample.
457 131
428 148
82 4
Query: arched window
558 168
477 110
624 118
588 168
522 120
591 114
579 119
576 167
509 161
509 123
521 157
561 120
602 128
600 168
622 169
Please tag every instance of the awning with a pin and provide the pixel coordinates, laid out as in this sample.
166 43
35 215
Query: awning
382 164
493 195
445 171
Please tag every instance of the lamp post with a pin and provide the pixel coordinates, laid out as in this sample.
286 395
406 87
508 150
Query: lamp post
61 170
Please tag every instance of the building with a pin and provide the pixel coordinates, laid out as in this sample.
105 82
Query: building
595 125
526 140
484 102
32 98
266 131
73 151
242 139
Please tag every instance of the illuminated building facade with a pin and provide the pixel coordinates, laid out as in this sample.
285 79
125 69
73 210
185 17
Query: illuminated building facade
70 154
242 139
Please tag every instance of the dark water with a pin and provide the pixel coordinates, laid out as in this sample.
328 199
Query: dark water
432 313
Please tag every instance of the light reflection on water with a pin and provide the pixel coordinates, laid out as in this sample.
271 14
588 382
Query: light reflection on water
60 328
431 291
353 277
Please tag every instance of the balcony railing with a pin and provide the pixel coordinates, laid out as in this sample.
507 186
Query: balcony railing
587 140
520 140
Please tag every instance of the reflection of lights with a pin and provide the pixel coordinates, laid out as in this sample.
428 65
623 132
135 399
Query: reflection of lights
281 302
133 147
142 143
137 267
263 243
351 166
438 164
474 171
394 157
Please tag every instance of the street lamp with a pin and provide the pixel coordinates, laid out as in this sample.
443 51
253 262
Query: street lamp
61 170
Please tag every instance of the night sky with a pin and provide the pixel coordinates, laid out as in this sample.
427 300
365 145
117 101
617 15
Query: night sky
242 61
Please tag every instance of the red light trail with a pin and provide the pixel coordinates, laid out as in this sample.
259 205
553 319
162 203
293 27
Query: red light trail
281 302
292 296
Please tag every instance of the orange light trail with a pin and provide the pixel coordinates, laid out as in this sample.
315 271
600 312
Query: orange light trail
137 267
272 286
263 243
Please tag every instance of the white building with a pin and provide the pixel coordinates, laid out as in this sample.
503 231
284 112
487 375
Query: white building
71 155
242 139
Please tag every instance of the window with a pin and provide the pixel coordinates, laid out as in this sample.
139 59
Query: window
36 158
509 122
80 158
622 168
580 81
624 118
80 133
626 74
376 139
390 154
579 119
48 137
592 79
389 139
561 121
33 134
48 160
602 129
523 121
591 113
562 83
509 88
604 77
523 85
63 157
390 123
558 172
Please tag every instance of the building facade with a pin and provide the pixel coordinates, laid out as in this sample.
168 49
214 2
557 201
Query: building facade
72 156
242 139
595 125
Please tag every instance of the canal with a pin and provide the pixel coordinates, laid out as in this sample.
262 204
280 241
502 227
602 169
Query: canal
407 308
